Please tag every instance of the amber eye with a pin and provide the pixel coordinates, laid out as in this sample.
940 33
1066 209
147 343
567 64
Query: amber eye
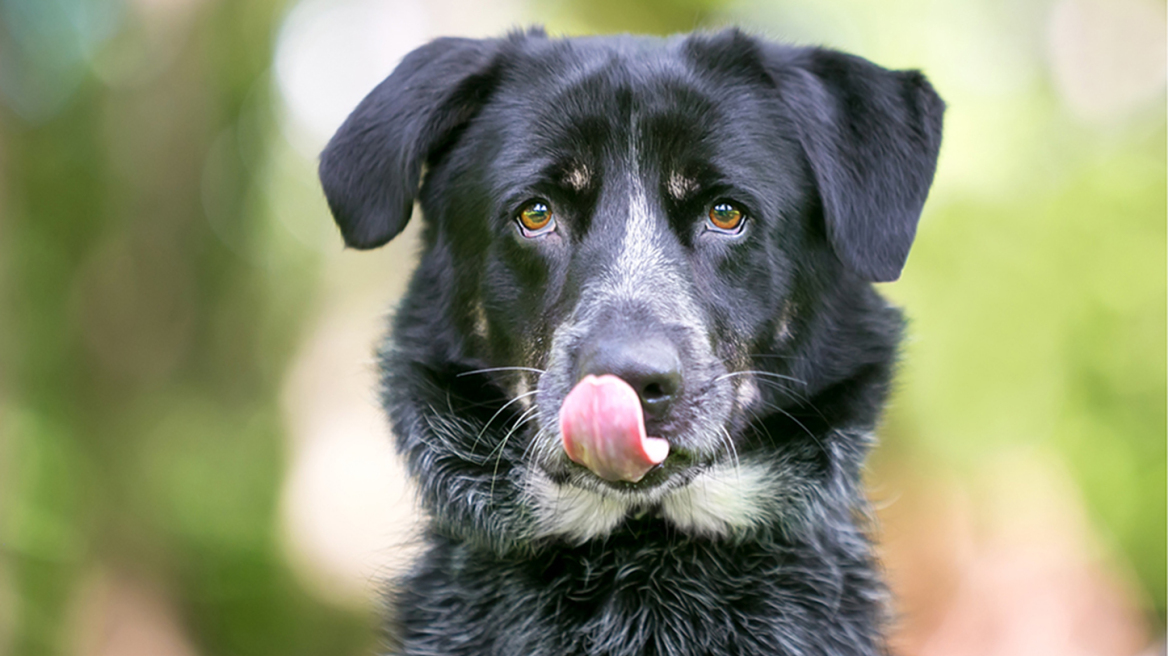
726 217
536 218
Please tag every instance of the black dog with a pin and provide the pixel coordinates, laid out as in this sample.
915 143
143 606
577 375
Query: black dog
637 369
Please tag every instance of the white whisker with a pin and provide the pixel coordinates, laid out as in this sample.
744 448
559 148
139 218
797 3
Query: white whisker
761 373
497 412
523 419
491 369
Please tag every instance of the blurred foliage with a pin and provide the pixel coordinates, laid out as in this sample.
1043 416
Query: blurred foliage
150 301
142 350
1041 322
645 16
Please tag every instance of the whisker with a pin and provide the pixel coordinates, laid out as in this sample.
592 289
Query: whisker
527 415
770 437
523 419
803 398
778 385
490 369
805 429
535 439
499 458
761 373
497 412
733 451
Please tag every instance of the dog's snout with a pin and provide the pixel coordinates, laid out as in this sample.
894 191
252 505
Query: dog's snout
651 366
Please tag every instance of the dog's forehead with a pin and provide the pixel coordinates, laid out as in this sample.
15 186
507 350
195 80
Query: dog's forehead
581 104
579 117
610 89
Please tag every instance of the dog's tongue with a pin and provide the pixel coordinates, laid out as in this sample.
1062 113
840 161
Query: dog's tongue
604 430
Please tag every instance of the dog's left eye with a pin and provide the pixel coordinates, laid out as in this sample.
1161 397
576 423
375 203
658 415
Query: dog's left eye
536 219
726 217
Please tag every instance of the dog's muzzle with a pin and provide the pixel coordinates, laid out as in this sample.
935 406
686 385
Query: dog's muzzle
622 382
603 428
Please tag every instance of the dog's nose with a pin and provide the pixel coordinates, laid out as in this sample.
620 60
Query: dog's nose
651 366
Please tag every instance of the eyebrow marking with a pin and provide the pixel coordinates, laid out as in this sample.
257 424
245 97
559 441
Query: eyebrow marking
578 177
679 186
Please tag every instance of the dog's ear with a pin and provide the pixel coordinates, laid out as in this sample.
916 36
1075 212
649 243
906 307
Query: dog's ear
871 136
371 167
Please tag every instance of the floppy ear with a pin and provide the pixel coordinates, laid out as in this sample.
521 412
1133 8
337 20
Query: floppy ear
871 136
371 166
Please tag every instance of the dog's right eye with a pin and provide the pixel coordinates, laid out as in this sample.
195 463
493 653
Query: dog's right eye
536 219
726 217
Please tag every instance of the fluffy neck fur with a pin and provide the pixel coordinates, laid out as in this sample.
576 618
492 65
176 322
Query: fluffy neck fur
804 582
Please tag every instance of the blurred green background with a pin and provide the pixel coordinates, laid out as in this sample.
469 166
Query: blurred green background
191 460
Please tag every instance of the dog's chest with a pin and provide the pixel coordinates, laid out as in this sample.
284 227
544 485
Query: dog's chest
628 597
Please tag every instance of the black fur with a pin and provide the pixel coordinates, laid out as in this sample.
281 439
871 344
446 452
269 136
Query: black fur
785 349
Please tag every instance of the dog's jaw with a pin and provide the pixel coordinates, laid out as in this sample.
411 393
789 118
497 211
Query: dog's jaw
722 500
571 512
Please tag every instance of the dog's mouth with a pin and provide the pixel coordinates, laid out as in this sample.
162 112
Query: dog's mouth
603 432
609 441
603 429
676 471
678 468
603 454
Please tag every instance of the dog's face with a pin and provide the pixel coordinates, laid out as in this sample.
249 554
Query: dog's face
672 213
641 221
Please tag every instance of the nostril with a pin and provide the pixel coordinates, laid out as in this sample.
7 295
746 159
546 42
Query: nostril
658 392
653 392
650 365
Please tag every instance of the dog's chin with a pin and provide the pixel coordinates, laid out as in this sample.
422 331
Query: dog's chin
717 498
657 482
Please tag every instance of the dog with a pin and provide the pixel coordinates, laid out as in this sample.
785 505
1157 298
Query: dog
637 369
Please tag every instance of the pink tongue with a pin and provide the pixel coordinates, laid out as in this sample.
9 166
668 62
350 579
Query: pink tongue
604 430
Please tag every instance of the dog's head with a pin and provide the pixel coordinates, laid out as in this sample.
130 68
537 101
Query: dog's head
689 223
